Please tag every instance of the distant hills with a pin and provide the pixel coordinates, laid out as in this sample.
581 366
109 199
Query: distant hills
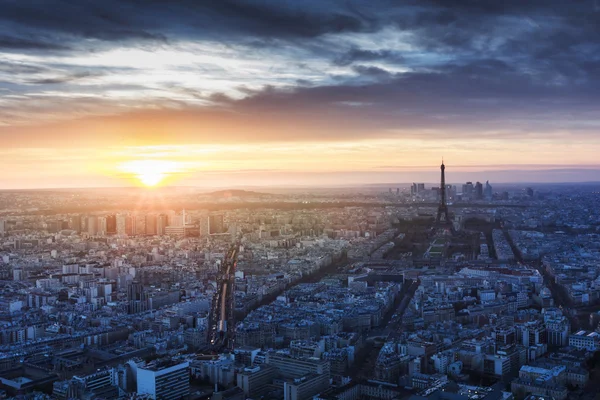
236 193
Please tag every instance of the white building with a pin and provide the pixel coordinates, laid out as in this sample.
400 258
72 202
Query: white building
164 380
585 340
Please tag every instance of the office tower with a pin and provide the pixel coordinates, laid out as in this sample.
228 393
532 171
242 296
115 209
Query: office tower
111 224
390 190
75 223
397 191
203 225
136 297
162 222
164 379
175 219
151 224
121 224
130 225
140 224
478 191
101 226
420 187
54 226
487 192
468 189
92 226
413 189
529 192
215 224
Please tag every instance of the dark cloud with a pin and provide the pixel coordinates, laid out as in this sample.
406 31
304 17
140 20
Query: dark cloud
14 43
20 68
361 55
470 63
482 96
370 71
65 78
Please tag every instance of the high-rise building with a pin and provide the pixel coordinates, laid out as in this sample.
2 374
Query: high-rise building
478 191
162 379
216 224
161 223
487 192
102 226
136 298
175 219
92 225
130 225
467 189
140 224
121 223
75 223
111 224
151 224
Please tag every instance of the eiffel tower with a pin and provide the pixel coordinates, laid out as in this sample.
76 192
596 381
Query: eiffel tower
442 219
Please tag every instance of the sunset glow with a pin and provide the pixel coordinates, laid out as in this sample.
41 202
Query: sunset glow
150 98
150 172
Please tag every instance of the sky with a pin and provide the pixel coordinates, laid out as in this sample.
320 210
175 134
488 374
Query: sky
315 92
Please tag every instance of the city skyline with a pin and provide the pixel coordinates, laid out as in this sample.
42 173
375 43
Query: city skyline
269 93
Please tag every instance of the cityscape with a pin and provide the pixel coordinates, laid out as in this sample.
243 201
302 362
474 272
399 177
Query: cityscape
412 291
299 200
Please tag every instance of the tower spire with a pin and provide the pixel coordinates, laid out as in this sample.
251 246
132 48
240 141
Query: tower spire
442 214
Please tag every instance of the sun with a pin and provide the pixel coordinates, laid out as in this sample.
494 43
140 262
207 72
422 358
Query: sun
150 172
151 178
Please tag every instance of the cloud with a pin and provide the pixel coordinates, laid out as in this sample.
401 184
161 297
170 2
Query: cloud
9 43
335 69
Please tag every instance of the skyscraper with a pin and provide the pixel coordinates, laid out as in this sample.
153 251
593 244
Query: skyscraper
487 192
215 224
478 191
140 224
75 223
111 224
92 225
151 224
467 189
102 226
121 223
161 223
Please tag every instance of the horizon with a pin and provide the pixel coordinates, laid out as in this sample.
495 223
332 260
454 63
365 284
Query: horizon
525 177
